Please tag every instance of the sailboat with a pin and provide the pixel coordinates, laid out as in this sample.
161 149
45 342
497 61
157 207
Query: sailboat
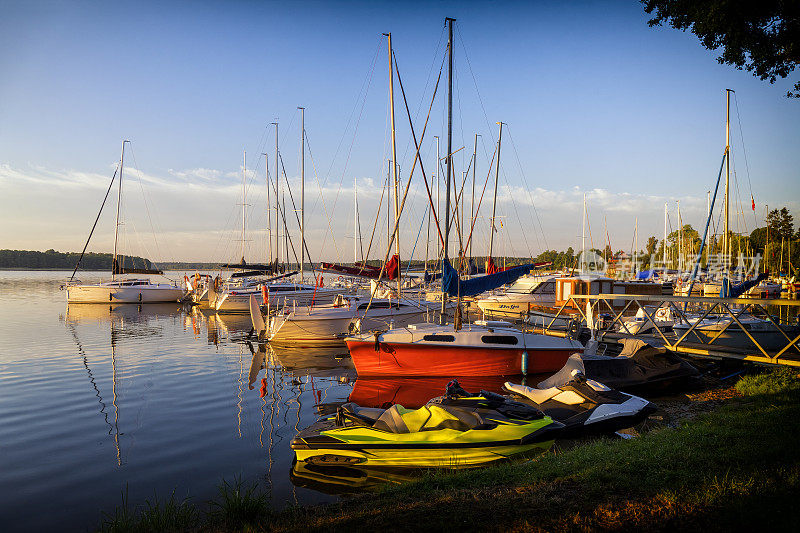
120 290
233 296
484 348
747 329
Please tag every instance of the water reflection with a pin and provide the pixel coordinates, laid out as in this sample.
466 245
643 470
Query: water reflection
113 428
339 480
156 398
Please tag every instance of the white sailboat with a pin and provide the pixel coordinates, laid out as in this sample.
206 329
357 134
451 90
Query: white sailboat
118 289
233 296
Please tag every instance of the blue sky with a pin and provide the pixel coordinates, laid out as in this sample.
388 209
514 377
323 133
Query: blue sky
596 102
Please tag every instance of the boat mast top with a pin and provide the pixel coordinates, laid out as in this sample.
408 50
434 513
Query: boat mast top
449 21
269 225
302 190
726 241
494 201
583 235
114 267
277 200
244 197
472 204
394 164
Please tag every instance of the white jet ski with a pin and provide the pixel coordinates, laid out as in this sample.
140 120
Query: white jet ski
585 405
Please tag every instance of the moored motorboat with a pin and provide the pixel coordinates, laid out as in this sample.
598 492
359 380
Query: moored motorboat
483 348
331 323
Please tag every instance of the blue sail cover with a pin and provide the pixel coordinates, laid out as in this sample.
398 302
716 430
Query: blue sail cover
734 290
471 287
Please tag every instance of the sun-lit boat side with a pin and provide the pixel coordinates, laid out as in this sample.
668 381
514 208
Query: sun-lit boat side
124 291
332 322
517 300
479 349
120 289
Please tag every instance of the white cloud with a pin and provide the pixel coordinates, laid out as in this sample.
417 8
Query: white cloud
196 215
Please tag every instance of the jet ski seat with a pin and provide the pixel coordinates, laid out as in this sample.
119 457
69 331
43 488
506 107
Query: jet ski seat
398 419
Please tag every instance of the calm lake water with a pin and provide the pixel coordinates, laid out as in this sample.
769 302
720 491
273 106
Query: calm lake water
96 400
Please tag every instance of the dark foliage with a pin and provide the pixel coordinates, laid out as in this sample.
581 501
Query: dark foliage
762 37
52 260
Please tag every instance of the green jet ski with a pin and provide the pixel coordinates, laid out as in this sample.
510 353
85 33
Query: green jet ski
457 430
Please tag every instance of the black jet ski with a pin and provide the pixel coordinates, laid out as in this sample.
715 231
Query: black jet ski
453 431
586 406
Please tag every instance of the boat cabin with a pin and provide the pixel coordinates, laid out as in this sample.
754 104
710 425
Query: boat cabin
567 287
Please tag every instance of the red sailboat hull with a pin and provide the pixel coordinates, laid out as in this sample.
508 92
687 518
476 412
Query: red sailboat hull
405 359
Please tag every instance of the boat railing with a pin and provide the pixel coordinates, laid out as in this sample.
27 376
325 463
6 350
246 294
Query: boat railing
690 310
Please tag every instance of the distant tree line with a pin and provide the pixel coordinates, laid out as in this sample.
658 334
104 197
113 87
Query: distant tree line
52 260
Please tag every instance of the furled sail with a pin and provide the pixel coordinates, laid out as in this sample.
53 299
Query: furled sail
734 290
453 285
117 268
364 270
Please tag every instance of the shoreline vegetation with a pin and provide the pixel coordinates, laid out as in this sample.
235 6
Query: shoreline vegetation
733 468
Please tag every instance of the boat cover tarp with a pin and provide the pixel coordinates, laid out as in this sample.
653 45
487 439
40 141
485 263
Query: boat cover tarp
638 366
453 285
432 276
647 274
364 270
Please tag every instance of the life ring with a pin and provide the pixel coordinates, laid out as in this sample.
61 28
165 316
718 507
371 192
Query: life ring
340 278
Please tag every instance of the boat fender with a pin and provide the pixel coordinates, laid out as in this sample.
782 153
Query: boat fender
377 342
265 294
524 364
140 296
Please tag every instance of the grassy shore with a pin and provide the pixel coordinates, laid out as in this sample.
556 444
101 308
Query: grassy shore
731 469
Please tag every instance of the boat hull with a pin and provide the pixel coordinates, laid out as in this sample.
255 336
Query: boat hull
417 457
300 329
239 302
103 294
408 359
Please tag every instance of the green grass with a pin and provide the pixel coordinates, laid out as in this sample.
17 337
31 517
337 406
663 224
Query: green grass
734 468
776 381
239 505
156 515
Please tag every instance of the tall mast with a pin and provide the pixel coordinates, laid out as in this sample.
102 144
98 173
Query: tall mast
268 228
438 185
244 176
449 22
394 164
302 190
277 200
664 243
727 244
708 213
472 204
494 202
635 240
114 266
583 234
680 237
355 221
